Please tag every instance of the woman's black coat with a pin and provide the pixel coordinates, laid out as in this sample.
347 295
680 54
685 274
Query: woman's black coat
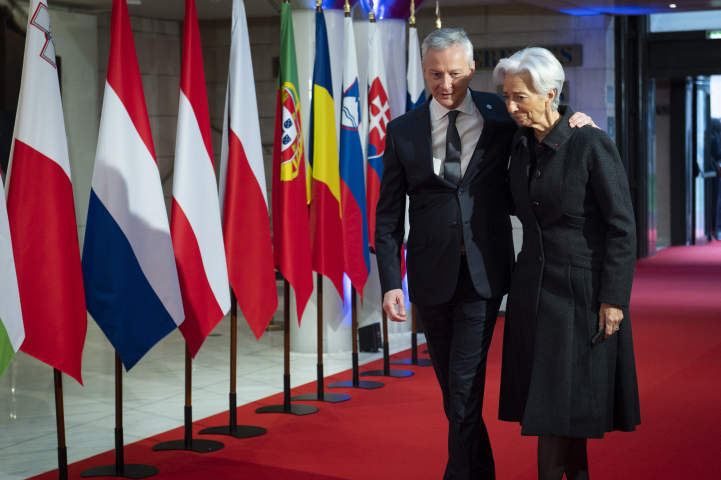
579 250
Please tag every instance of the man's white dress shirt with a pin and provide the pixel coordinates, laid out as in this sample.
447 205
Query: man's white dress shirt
469 124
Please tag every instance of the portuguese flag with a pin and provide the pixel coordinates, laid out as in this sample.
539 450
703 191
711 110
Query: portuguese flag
12 332
291 231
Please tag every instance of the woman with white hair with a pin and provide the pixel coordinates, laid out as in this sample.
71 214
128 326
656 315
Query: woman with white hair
568 369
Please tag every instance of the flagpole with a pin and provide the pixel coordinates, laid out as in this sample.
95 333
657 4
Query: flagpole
187 443
287 407
387 371
356 382
233 429
414 360
320 395
60 418
120 469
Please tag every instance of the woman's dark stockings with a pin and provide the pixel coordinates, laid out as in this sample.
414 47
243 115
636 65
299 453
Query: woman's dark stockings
559 455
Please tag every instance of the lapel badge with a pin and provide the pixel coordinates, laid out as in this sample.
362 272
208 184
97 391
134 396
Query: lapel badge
489 107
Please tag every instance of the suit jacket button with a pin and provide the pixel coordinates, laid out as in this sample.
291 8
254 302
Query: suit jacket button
540 259
538 173
456 224
460 191
536 204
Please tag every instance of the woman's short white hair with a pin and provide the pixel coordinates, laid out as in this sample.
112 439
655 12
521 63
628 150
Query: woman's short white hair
444 38
545 70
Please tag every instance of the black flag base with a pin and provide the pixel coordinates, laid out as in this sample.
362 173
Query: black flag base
129 470
241 431
356 382
299 410
195 445
287 407
365 384
120 469
321 396
325 397
421 362
188 443
233 429
387 372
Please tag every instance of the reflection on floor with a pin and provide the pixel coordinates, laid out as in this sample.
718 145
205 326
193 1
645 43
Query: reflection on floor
153 393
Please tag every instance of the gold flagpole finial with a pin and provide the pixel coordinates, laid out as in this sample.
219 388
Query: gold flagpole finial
412 21
438 14
318 7
371 15
346 8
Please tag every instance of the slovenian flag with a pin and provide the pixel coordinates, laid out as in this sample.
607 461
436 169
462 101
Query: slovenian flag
243 195
352 186
12 332
195 215
326 233
416 95
379 114
131 281
41 211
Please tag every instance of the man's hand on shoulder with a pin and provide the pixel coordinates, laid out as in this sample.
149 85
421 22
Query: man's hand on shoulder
580 119
390 300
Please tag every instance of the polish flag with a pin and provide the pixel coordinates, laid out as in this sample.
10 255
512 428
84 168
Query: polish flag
41 210
195 218
243 196
131 280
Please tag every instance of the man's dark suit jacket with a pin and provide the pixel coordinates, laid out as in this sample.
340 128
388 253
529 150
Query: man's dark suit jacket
443 216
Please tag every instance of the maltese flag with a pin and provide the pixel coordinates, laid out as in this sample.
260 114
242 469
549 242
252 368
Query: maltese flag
195 218
41 212
243 195
131 281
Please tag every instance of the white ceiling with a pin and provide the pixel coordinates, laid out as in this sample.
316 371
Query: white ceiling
219 9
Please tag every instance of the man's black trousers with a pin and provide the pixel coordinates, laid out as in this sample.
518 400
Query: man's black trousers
458 334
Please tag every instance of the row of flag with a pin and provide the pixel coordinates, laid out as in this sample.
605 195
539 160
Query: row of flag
141 276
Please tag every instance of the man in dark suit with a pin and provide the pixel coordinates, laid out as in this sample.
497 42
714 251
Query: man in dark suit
450 156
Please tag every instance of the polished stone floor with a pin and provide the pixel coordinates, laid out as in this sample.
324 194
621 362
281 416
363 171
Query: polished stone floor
153 392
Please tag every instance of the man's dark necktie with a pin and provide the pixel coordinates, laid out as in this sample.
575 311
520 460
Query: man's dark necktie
452 164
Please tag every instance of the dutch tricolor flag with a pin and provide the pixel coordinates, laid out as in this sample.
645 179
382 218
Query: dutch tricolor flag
131 281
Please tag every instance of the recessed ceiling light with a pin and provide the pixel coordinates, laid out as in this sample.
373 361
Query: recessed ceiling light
672 5
135 2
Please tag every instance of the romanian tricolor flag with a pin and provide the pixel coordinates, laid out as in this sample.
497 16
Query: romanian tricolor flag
325 212
291 236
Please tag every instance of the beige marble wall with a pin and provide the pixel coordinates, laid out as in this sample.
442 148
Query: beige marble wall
158 46
525 25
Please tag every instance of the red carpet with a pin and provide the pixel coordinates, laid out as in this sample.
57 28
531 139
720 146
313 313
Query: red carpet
398 432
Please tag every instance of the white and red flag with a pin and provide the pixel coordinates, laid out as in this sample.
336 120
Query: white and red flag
195 218
41 210
243 196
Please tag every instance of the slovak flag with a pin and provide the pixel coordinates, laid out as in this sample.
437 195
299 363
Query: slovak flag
131 281
243 194
352 186
195 215
41 213
416 95
379 114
